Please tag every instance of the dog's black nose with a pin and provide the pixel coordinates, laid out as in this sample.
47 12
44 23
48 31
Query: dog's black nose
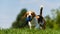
29 16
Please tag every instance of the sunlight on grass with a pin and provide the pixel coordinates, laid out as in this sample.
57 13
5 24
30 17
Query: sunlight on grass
28 31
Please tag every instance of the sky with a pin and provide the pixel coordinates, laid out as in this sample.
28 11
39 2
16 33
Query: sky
9 9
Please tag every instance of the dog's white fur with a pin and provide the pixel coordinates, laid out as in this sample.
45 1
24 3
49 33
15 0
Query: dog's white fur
41 6
34 23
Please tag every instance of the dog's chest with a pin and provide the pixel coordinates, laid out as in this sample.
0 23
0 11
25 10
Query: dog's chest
34 22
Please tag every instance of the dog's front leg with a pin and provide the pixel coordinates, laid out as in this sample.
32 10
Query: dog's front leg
29 23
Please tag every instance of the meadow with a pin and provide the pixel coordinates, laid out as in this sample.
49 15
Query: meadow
28 31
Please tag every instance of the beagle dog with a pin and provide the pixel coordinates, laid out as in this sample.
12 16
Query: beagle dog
31 19
41 20
36 21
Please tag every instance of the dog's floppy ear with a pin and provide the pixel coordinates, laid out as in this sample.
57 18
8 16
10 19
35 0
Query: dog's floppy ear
25 14
33 14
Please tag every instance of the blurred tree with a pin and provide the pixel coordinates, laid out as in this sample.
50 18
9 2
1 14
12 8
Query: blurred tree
21 14
57 18
20 22
54 22
49 22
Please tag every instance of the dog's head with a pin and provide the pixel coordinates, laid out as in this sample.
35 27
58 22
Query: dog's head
30 14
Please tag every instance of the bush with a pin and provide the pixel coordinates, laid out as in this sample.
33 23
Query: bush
20 20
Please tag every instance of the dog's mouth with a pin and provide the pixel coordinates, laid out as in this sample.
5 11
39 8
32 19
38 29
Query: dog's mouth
29 18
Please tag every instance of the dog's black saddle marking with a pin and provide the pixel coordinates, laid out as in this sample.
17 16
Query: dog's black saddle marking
40 19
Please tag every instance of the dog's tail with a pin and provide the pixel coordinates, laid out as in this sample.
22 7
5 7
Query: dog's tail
41 9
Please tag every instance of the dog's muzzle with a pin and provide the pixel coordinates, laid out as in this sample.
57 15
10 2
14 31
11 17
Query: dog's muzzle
29 18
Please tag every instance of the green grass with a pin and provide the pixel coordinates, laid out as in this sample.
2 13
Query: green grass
28 31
